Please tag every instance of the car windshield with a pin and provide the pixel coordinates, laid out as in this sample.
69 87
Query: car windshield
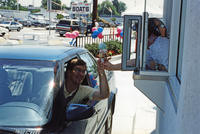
26 92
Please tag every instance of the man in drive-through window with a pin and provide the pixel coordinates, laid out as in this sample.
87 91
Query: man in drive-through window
74 76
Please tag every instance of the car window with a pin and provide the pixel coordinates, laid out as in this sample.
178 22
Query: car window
6 22
92 69
28 87
66 22
74 22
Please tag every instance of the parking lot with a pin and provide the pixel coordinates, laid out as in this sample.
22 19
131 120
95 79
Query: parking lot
44 34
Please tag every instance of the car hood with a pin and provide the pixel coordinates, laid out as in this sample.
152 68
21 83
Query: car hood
21 114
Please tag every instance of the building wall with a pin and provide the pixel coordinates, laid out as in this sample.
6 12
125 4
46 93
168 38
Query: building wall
189 103
167 119
187 118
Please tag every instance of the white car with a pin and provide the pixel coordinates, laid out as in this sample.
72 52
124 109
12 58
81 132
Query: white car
3 31
51 26
11 25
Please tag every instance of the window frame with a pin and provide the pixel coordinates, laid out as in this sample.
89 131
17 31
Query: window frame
126 40
94 63
176 40
181 40
139 70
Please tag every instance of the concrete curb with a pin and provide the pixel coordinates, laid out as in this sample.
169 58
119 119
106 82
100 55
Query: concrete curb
116 57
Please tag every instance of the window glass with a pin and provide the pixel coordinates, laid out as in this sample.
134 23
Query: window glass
75 23
65 22
132 36
157 49
26 86
92 69
181 39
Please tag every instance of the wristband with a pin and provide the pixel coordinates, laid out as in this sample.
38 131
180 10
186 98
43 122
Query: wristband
101 74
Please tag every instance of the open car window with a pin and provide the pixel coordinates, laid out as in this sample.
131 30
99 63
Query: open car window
92 69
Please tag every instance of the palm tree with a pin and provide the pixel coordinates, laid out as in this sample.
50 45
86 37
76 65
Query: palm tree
94 12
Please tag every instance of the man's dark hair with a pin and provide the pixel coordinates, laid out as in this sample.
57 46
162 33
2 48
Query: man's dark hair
75 62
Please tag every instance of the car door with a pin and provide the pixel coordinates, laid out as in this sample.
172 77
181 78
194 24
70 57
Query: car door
13 26
75 25
100 106
84 126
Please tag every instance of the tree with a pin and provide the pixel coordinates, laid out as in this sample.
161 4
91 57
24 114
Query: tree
85 1
120 6
59 16
56 4
35 10
113 19
107 8
9 4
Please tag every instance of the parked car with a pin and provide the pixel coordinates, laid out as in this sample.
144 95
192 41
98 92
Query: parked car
3 31
11 25
39 23
101 24
31 83
89 28
51 26
25 23
67 25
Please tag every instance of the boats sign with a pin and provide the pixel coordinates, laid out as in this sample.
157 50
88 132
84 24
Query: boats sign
81 8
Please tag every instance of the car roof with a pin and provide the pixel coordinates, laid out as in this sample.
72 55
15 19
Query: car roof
38 52
69 20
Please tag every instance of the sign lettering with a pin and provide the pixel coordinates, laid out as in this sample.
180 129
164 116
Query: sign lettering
80 8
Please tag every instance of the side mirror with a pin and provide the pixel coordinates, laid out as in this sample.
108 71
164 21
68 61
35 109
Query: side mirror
76 112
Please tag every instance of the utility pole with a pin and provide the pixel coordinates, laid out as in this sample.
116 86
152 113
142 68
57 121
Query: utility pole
17 5
49 7
94 12
33 3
